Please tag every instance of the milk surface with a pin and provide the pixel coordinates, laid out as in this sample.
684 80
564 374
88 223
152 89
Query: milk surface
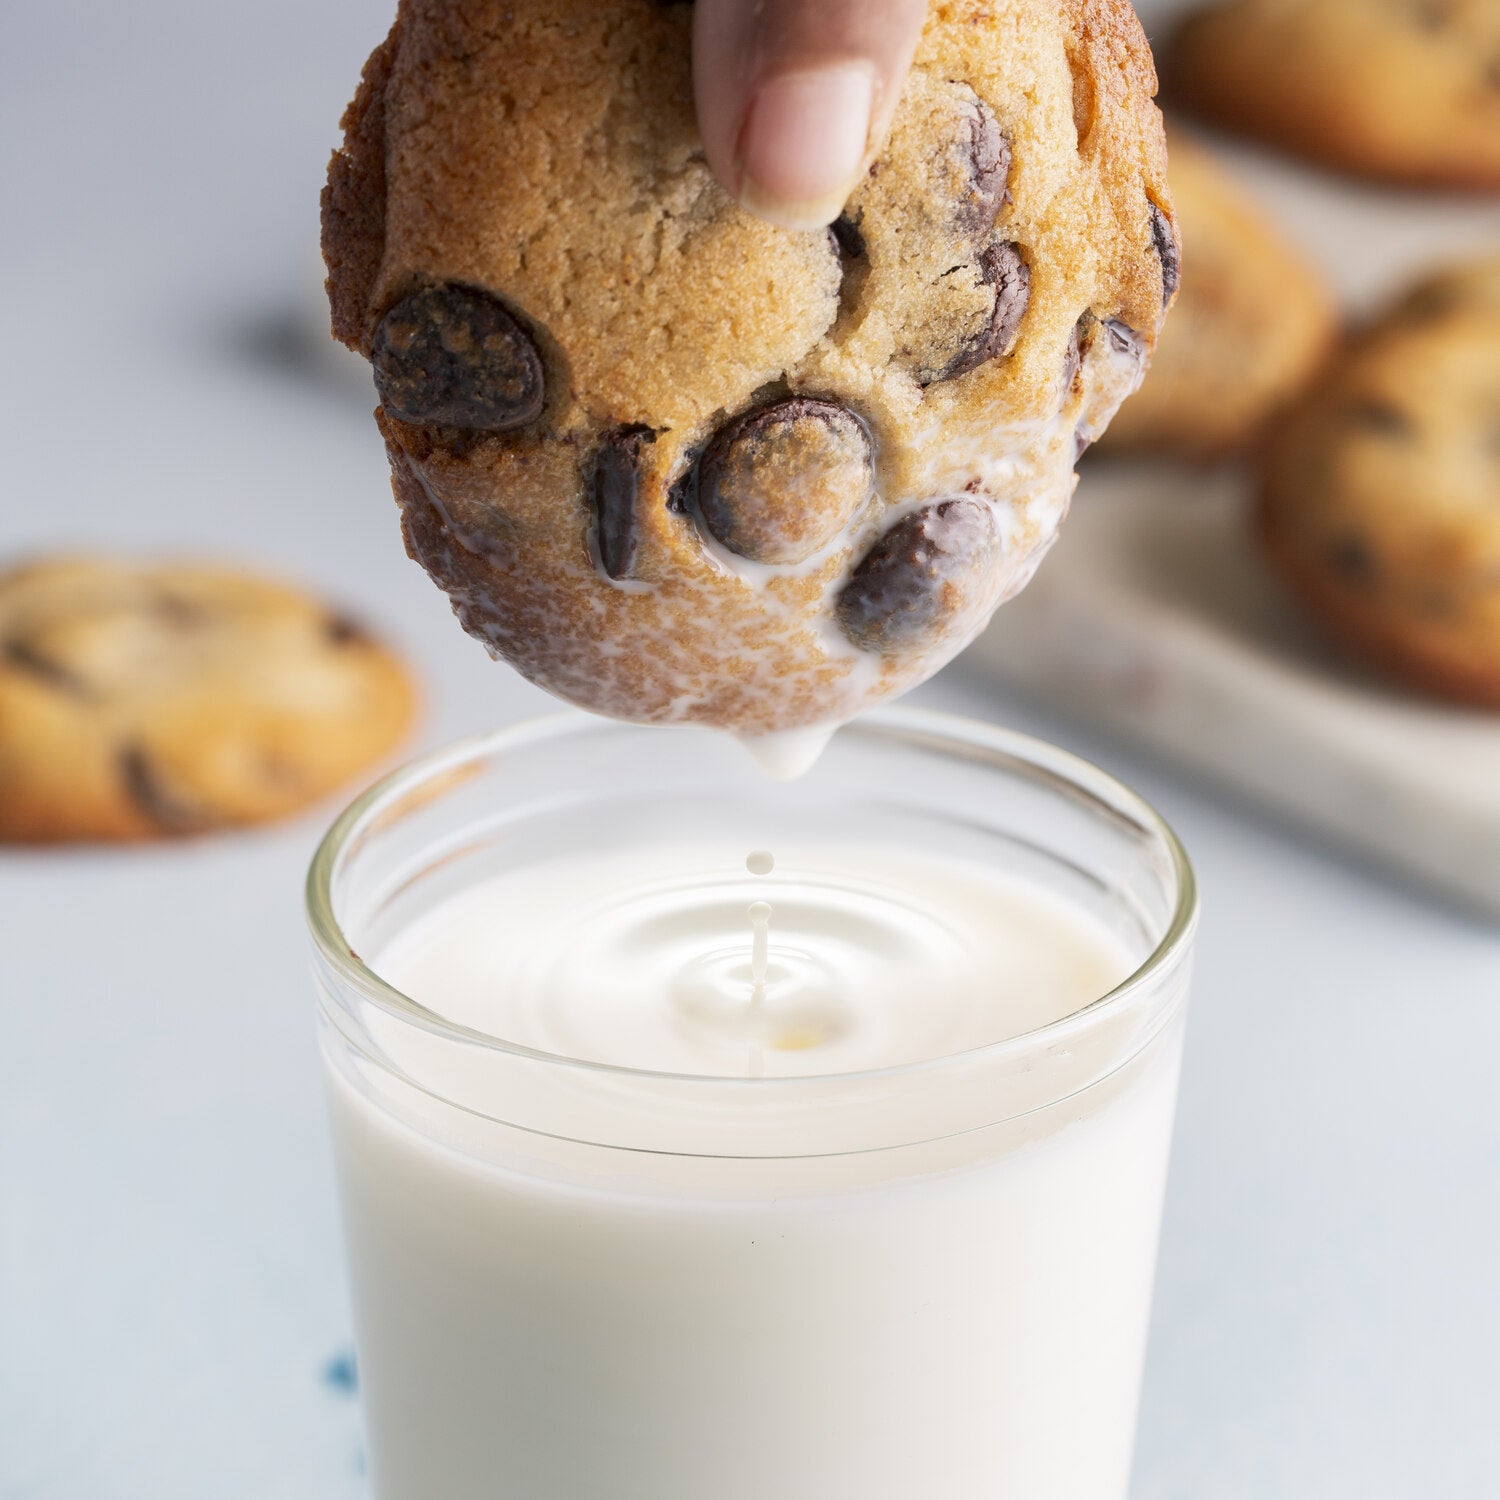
961 1318
641 959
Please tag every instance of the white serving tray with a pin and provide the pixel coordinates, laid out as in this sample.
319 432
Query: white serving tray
1154 618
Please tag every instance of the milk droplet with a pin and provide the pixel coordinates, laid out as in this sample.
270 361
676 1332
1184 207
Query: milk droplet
789 753
760 862
760 929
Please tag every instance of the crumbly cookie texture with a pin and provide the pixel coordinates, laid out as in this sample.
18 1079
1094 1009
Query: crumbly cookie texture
676 464
1252 321
1379 501
143 700
1405 90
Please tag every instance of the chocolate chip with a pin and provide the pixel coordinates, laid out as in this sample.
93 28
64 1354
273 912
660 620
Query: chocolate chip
614 489
846 235
1351 558
1081 333
779 482
340 630
989 171
1429 304
1002 269
180 613
1377 416
454 356
681 491
143 785
1123 339
24 657
920 579
1168 251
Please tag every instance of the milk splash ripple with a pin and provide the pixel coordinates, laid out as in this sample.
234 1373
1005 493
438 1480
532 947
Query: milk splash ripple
874 957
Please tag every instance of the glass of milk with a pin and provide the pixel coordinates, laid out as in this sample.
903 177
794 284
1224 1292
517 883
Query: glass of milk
703 1137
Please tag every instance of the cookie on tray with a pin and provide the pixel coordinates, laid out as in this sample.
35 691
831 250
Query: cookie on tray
1253 320
676 464
141 700
1381 500
1404 90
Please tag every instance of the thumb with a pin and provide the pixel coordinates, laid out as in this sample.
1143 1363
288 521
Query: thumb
795 97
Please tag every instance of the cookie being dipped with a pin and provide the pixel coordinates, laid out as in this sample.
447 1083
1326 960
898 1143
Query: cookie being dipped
678 465
143 700
1379 502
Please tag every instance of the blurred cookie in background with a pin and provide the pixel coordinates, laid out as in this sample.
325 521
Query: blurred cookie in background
1404 90
1381 497
1253 319
151 699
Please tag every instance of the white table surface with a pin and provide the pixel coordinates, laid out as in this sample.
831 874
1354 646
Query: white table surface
172 1315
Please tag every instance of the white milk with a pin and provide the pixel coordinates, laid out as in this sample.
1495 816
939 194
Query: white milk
959 1319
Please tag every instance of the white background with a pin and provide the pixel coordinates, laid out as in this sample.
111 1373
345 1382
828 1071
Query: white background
170 1288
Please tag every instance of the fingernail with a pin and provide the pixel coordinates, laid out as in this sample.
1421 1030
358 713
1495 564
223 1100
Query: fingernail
803 144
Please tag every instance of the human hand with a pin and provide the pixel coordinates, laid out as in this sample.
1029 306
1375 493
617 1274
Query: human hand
795 96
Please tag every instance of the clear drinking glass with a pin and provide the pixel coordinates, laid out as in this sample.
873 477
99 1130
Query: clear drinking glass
575 1280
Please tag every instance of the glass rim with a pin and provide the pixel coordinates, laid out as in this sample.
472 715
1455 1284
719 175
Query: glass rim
955 731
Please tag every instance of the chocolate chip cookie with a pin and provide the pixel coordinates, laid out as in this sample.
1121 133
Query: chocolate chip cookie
676 464
1252 321
143 700
1381 502
1406 90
